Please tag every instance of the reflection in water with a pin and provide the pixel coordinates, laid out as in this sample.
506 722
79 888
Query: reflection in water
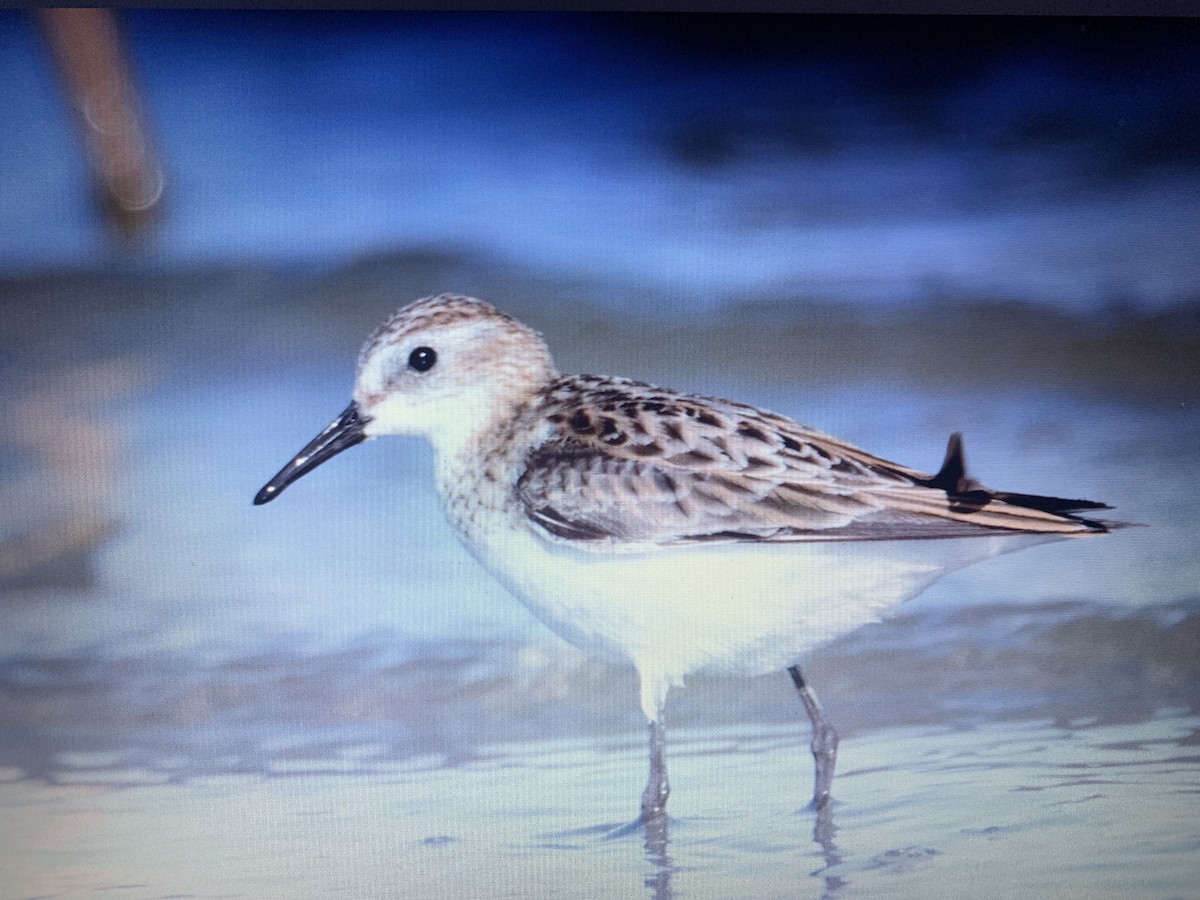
824 831
658 878
62 509
662 866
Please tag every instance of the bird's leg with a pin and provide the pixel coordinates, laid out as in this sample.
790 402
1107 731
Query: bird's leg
824 740
654 797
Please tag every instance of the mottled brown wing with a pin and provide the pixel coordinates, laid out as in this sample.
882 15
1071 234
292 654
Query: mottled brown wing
630 463
584 494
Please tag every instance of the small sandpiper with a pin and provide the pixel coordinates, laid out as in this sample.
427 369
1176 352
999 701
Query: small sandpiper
675 532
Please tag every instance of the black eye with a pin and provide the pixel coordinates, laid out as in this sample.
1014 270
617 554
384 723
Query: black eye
422 359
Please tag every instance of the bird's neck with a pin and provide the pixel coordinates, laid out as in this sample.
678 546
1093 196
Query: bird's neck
487 456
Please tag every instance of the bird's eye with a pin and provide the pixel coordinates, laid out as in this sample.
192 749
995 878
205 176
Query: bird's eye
422 359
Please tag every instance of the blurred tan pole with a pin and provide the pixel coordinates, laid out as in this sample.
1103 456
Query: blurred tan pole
87 49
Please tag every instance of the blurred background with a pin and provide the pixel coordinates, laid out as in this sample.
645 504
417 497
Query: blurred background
889 228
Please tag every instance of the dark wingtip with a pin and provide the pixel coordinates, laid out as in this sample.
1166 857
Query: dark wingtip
952 476
954 465
1049 504
266 495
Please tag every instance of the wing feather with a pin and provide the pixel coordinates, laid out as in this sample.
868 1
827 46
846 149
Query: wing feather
624 463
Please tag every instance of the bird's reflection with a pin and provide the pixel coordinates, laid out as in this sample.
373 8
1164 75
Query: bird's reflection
824 831
662 867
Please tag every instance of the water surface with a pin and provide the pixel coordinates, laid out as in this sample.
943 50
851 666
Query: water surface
327 697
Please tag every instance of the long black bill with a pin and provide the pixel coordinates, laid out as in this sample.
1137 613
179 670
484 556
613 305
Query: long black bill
342 433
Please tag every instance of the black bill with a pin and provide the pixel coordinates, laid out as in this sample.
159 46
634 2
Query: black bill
342 433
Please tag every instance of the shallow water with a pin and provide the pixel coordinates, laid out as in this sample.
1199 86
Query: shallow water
326 696
1035 808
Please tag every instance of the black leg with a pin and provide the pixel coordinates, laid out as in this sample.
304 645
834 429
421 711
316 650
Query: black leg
824 740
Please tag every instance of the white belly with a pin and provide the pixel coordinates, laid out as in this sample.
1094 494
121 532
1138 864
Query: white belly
734 608
737 608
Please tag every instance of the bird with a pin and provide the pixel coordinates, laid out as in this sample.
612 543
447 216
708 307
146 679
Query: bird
674 532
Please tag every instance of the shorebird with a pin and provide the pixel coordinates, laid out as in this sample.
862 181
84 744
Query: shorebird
676 532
